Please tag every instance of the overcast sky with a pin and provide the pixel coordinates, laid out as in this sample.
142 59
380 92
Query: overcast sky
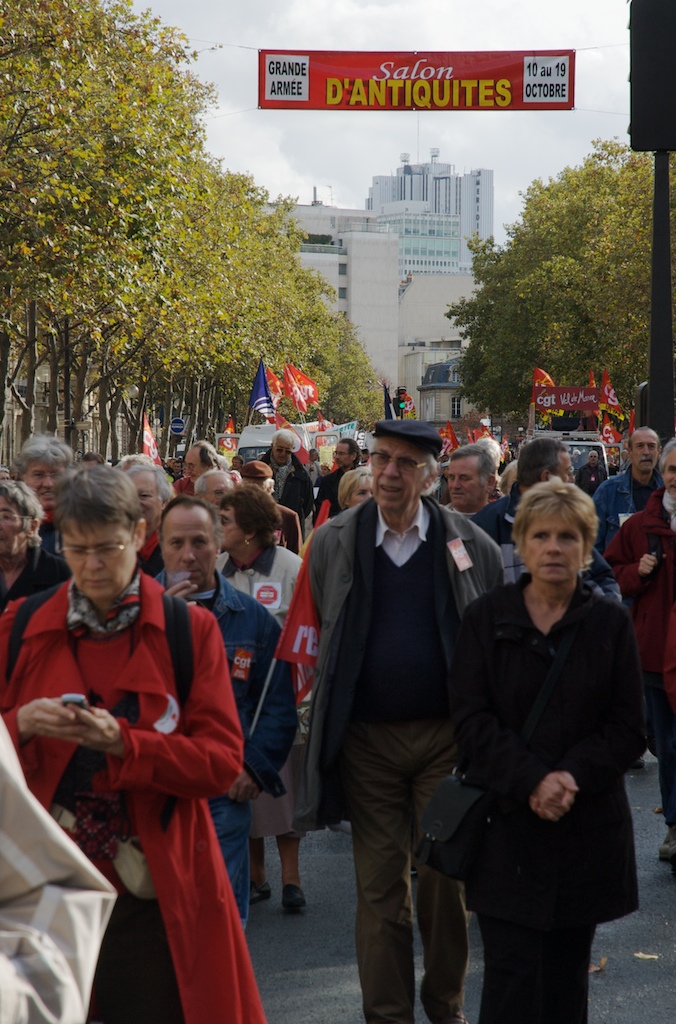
288 152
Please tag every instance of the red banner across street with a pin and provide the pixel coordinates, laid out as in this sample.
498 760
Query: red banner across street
419 80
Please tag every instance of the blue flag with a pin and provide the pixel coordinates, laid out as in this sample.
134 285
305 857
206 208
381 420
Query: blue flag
389 411
260 398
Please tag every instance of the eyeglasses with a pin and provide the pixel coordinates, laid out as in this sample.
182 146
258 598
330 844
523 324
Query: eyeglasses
106 552
404 465
10 518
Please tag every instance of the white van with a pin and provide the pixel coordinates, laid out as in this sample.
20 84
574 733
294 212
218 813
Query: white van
255 441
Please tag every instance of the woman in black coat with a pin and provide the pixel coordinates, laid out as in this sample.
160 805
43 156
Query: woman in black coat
559 855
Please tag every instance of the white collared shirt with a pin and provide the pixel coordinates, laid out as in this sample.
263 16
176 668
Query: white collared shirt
400 546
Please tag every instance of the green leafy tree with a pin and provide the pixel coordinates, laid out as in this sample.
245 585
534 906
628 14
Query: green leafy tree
569 291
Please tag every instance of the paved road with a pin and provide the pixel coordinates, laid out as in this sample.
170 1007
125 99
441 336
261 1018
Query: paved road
306 968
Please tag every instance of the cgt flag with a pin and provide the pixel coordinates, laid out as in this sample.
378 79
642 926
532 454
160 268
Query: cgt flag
450 441
230 429
299 640
292 388
275 385
609 402
149 443
608 432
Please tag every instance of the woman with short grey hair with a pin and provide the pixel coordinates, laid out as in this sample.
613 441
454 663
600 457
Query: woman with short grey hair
25 567
40 463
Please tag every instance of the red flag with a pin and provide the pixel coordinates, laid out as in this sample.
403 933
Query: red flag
540 379
470 436
275 385
301 451
504 446
299 640
632 420
149 443
483 433
592 379
409 407
608 432
448 436
609 400
323 423
230 429
292 388
307 386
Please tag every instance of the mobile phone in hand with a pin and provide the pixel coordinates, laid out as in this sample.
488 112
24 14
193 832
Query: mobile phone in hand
78 700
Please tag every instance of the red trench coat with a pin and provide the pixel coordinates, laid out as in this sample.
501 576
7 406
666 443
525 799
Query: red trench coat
201 758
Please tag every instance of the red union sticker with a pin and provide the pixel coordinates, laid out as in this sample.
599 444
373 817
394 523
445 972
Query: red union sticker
460 555
241 665
268 594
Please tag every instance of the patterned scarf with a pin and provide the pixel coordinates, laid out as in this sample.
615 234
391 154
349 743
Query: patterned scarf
82 617
281 473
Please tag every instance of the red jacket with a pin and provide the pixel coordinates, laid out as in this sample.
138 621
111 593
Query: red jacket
654 596
200 758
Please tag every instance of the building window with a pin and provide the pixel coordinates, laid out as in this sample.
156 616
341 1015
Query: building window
455 376
456 408
342 269
342 293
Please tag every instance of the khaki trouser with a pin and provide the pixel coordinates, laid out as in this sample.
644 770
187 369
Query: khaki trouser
389 772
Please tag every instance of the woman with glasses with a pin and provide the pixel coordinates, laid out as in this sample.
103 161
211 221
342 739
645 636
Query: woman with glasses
125 764
25 567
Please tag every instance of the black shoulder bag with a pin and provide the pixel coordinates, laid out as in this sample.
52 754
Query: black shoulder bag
457 817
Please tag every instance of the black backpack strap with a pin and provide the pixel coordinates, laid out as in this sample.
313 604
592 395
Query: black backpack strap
23 614
179 639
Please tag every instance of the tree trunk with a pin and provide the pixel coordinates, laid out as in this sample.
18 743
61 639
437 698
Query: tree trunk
28 415
104 417
115 403
164 439
53 408
5 349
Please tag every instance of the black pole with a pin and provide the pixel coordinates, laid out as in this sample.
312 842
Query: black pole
661 372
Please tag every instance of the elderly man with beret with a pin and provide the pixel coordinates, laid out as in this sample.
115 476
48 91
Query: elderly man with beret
391 579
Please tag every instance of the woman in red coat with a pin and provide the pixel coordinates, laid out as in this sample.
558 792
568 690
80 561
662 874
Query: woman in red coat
128 773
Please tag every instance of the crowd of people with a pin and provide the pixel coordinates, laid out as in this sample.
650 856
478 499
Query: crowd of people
155 724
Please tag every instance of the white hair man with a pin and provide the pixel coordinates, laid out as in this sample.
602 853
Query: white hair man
391 579
154 491
293 486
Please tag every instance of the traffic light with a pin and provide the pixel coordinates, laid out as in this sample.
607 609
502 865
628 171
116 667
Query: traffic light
400 403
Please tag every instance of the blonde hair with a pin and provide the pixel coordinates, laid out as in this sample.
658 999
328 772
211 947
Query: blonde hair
349 483
553 499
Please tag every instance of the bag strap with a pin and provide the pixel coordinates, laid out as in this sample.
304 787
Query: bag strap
23 614
179 639
547 688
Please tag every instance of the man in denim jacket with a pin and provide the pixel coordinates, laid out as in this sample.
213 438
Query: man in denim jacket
190 540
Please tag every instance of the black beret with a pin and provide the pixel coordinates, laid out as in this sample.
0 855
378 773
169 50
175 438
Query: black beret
422 435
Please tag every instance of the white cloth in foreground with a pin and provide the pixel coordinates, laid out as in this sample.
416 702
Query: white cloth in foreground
54 908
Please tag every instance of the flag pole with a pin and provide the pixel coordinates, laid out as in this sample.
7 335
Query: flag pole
264 693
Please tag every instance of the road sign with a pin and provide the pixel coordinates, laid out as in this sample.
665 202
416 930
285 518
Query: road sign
178 426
